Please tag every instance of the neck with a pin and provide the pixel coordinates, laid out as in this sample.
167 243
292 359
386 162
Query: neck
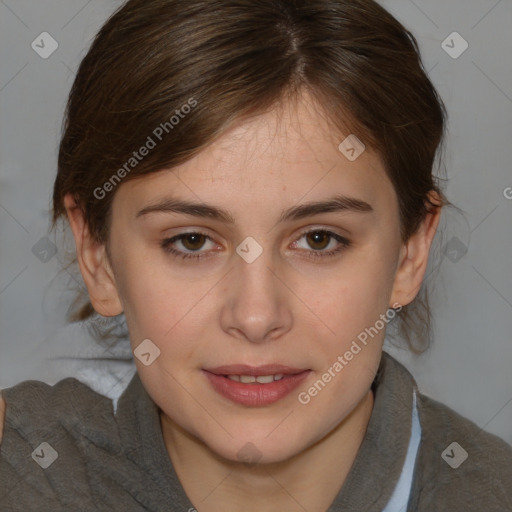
309 480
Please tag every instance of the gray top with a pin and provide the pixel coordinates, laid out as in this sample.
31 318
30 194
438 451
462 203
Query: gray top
106 461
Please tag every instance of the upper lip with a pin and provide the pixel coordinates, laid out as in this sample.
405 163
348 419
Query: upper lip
243 369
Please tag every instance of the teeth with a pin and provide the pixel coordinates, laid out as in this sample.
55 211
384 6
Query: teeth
265 379
262 379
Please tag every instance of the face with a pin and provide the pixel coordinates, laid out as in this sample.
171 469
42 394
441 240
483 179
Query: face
279 289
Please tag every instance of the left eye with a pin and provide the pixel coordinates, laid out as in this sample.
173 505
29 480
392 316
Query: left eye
194 241
317 238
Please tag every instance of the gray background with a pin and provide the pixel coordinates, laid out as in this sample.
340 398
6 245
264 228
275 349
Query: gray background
469 365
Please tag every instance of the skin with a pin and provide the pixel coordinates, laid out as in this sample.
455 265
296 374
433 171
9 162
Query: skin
282 308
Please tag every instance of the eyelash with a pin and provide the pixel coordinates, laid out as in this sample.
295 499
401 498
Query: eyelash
343 244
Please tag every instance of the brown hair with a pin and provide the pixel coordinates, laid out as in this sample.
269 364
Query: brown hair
235 58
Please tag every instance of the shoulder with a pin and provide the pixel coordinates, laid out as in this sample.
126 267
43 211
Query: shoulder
442 421
460 464
67 426
33 409
33 402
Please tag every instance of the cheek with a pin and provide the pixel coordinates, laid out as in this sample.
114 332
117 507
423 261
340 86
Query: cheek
354 294
349 351
150 298
171 311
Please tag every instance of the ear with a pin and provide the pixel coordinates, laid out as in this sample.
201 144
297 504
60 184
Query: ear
93 262
413 257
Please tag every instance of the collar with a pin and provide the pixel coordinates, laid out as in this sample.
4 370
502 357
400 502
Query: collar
372 479
139 426
377 468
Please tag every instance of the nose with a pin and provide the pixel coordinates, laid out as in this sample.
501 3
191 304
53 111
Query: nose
257 304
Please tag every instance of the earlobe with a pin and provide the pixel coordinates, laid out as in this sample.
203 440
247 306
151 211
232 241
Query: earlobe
93 263
413 259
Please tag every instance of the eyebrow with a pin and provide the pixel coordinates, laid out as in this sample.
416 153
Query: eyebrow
337 203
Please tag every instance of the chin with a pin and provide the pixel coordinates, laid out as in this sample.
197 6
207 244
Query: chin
256 450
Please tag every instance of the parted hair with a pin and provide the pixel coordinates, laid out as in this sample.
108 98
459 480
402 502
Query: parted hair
239 58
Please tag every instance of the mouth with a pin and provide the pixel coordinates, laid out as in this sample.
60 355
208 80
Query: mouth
255 386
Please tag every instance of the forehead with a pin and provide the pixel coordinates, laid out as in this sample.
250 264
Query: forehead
282 156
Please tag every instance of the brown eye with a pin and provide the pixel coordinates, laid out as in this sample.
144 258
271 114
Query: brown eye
318 239
187 245
320 243
193 241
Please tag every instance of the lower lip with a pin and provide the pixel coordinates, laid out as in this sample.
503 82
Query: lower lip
255 394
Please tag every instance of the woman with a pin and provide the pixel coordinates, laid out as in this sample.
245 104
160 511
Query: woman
251 185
